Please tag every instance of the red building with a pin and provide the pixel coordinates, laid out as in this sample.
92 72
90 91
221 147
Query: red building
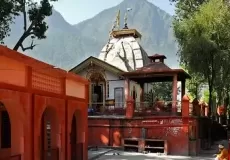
43 110
165 127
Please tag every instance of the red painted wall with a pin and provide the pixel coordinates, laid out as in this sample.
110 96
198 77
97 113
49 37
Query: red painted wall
41 87
109 131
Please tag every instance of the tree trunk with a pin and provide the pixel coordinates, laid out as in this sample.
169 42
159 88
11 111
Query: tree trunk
24 36
210 99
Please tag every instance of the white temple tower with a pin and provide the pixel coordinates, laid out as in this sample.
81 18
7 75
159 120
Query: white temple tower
123 50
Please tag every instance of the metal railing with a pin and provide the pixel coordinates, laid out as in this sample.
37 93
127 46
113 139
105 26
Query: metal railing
107 108
140 108
159 108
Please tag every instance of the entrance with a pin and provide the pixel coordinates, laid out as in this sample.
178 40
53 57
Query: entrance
97 90
5 132
97 93
73 139
49 130
75 143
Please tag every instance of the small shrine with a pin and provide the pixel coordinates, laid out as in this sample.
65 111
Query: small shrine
158 71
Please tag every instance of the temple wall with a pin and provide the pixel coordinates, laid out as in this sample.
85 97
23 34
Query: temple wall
175 130
26 94
9 69
75 89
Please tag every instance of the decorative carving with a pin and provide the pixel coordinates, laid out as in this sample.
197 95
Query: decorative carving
129 126
96 74
46 83
173 131
176 121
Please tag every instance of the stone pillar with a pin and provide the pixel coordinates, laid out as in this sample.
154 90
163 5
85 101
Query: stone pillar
142 92
182 88
174 95
129 108
127 89
185 106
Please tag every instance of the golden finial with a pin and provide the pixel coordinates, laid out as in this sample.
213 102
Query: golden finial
118 20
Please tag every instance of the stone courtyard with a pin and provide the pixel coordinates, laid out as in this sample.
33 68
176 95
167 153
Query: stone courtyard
109 155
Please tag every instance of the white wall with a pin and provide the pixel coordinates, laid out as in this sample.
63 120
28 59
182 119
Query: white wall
114 82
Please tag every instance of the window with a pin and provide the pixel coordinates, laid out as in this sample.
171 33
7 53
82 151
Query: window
119 97
48 134
5 130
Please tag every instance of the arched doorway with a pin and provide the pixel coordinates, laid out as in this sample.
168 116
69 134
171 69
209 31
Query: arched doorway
49 135
97 89
5 133
75 141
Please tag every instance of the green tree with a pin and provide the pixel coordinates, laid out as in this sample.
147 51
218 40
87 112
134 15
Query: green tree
185 8
162 90
33 14
8 10
204 39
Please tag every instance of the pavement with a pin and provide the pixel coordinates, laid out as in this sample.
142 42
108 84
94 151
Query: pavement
94 154
108 154
149 156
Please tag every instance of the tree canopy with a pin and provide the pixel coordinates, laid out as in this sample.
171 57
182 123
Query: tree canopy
33 15
203 37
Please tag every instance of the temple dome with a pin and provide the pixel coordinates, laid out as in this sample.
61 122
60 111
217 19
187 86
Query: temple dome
123 50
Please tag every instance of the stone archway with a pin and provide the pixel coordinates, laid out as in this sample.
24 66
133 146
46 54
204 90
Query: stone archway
5 132
49 135
75 138
11 130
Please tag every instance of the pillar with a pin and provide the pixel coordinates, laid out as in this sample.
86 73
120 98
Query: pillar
182 88
142 92
185 106
129 108
127 89
174 95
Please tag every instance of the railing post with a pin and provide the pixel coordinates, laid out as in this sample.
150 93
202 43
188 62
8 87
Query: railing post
129 108
196 107
185 106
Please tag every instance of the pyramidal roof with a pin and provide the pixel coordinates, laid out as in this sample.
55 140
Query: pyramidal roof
124 51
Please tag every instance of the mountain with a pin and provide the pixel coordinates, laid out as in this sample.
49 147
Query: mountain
67 45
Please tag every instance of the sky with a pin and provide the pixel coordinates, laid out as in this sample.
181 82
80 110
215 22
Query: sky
75 11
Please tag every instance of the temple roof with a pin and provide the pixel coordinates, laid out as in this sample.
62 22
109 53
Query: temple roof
126 32
157 56
156 72
124 51
98 62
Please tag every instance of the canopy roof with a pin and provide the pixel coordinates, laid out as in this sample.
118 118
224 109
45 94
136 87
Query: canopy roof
156 72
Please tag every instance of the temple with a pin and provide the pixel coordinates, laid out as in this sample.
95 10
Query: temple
122 110
119 114
43 110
